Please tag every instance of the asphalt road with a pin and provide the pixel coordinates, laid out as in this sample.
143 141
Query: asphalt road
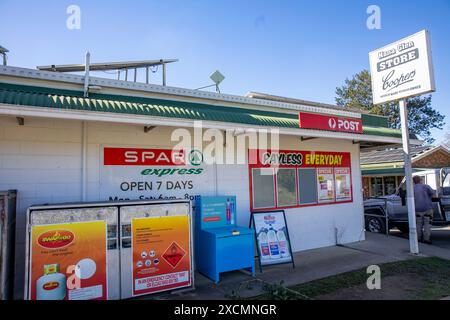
439 235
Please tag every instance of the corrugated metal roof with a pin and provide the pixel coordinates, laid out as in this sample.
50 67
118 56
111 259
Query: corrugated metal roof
391 155
74 100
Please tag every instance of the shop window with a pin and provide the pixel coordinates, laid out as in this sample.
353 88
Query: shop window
286 179
389 185
307 190
376 187
286 188
263 188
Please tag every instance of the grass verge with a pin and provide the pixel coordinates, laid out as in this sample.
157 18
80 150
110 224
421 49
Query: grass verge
420 278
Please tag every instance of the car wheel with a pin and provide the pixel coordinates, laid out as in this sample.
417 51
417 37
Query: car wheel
375 225
404 228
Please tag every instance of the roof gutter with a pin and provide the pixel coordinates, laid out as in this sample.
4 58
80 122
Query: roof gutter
43 112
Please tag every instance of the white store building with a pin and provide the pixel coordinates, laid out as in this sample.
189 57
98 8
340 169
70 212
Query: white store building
58 146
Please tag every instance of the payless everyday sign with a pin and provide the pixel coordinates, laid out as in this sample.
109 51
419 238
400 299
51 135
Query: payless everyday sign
402 69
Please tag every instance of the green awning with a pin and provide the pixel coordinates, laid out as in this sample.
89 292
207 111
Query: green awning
73 100
387 171
383 171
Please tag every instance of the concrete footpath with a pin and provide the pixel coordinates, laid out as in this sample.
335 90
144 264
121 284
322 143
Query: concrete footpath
310 265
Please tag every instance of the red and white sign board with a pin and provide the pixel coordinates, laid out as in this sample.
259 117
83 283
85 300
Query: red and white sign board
153 173
143 157
329 123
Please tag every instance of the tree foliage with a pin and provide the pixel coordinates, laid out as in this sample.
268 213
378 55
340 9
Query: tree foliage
422 117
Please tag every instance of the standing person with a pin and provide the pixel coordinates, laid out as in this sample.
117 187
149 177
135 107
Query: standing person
423 195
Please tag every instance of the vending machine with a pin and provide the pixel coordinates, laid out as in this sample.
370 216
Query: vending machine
221 245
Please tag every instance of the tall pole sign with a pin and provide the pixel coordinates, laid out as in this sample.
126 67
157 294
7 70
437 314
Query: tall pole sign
401 70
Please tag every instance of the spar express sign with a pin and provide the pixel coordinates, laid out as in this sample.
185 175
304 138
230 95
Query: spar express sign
329 123
152 173
402 69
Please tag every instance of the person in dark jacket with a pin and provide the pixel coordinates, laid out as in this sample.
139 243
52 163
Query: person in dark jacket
423 195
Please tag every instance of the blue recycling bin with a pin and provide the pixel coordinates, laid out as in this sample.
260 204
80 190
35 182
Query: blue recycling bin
220 245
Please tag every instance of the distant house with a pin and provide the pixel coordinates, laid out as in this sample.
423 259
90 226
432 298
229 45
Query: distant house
383 170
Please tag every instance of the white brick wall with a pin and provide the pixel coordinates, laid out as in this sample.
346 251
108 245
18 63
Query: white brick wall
42 160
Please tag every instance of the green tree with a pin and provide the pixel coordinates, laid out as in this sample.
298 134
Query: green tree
422 117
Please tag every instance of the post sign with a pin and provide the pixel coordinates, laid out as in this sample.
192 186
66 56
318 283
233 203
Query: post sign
161 254
68 261
329 122
153 174
402 69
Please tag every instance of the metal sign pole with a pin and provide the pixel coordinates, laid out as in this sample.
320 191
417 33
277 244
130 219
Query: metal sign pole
413 245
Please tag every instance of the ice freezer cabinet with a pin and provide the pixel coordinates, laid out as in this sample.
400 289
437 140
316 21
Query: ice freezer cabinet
220 245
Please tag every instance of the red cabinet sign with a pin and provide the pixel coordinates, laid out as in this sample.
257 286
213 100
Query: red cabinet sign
143 157
329 123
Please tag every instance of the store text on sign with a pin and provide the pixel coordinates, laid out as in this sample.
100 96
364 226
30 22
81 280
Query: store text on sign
329 123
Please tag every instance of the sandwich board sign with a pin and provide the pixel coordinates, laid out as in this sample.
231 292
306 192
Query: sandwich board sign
402 69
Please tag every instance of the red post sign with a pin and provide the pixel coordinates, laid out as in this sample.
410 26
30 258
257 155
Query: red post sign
329 123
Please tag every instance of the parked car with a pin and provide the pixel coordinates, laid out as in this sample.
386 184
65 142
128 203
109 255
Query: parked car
383 213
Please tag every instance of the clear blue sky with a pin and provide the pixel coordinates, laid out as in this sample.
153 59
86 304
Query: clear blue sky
302 49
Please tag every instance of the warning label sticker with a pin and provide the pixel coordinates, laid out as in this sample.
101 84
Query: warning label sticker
174 254
162 280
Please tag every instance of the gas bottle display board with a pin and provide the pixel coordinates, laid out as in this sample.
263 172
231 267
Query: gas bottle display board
272 238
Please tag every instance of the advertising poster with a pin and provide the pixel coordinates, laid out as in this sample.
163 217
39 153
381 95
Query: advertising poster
325 185
161 254
343 184
68 261
272 237
218 211
153 174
